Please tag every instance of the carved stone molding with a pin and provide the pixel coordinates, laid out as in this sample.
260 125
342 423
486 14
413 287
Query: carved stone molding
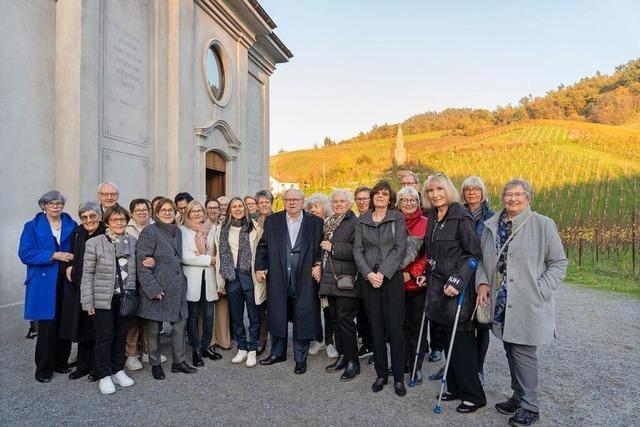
233 143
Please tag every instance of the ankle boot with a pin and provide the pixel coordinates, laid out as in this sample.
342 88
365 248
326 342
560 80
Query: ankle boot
350 371
338 365
197 359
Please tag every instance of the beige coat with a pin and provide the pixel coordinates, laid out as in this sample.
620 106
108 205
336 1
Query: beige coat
536 264
193 265
259 288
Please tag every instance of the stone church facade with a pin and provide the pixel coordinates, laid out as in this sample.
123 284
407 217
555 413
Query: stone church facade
157 96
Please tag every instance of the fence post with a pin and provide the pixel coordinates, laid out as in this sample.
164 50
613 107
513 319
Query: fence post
633 242
580 252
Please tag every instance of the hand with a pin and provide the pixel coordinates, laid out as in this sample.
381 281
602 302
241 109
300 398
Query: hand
149 262
159 296
261 275
374 279
315 272
484 294
450 291
68 273
63 256
213 260
326 245
421 281
91 311
406 276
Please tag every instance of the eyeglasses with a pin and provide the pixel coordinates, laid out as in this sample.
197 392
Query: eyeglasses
140 211
55 204
406 184
292 200
121 220
86 218
472 190
409 201
514 195
213 208
166 211
111 195
339 201
362 199
437 174
198 211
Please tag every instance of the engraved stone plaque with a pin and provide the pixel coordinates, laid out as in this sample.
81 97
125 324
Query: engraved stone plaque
126 71
129 172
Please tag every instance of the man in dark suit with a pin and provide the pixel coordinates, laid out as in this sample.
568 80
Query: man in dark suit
288 257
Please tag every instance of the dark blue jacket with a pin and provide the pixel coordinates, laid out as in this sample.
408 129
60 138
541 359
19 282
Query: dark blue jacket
37 246
486 214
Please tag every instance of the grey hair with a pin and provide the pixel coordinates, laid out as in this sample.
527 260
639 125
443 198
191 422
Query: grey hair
108 183
319 198
295 190
51 196
413 175
346 193
89 205
475 181
526 186
264 194
452 192
223 199
407 191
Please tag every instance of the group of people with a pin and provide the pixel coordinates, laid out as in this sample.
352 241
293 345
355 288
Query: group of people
374 272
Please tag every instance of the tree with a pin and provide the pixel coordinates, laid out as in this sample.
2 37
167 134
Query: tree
328 141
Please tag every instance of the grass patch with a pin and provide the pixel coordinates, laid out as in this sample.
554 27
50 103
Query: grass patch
593 277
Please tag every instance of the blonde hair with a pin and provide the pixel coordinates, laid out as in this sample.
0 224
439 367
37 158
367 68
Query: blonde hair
450 189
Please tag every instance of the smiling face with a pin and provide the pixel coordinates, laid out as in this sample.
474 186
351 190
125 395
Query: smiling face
90 221
381 199
515 200
108 196
182 205
237 210
264 206
340 204
166 213
141 214
408 204
472 196
196 214
252 206
362 201
213 210
117 223
437 194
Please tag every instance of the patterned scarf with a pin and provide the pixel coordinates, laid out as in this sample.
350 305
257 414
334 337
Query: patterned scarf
122 252
202 233
227 269
505 227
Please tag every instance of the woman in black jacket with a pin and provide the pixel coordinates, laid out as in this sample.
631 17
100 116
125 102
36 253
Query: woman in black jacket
379 249
337 260
453 249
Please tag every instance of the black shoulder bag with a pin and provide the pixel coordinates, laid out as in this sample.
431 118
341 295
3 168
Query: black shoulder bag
128 297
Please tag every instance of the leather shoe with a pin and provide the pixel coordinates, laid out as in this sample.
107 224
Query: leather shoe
379 384
157 372
350 371
463 408
448 397
438 375
435 356
93 377
211 354
197 360
183 367
399 388
62 370
271 359
43 379
301 368
260 351
338 365
77 374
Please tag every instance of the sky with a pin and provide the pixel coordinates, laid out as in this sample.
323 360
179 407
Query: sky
358 63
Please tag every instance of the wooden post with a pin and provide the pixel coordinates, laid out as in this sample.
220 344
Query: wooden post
633 242
580 253
596 242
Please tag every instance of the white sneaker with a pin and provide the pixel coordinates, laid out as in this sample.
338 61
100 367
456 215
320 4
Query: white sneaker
133 364
240 356
145 358
316 347
251 360
332 353
106 386
122 379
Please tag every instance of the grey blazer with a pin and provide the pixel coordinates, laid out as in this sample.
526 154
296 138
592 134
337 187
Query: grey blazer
99 270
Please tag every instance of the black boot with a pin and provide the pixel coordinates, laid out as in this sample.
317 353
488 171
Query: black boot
338 365
197 359
352 369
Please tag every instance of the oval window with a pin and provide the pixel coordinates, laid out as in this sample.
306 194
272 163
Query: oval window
215 72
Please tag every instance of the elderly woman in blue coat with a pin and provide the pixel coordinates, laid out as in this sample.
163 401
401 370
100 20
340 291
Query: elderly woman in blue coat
523 262
45 247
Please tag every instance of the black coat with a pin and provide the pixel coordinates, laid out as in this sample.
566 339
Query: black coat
75 324
341 258
271 255
451 243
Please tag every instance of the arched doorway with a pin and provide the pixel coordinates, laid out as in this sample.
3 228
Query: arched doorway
216 168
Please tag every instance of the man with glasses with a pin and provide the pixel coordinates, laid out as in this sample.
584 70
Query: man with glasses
108 194
288 257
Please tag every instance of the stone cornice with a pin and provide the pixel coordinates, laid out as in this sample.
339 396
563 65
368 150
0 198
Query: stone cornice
232 140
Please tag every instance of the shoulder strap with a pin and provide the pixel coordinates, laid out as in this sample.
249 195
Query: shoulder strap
518 228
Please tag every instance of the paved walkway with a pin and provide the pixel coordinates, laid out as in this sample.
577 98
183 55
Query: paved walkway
589 376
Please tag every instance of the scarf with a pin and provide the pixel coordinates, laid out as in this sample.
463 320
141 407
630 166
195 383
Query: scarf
331 224
504 231
413 219
202 233
122 251
227 269
170 229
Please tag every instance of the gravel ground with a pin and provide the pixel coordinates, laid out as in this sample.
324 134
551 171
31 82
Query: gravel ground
589 376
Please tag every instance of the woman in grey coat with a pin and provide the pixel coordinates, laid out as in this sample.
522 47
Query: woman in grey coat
523 262
164 286
109 267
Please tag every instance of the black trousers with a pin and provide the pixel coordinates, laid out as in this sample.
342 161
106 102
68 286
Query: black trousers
343 311
52 353
264 327
482 338
414 307
385 311
86 357
111 339
437 337
362 325
462 377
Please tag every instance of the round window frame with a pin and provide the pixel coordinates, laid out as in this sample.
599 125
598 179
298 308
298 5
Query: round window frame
227 84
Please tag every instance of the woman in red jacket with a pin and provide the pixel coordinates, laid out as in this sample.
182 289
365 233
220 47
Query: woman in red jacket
413 266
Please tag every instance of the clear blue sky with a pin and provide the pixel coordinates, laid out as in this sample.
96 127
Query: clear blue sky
358 63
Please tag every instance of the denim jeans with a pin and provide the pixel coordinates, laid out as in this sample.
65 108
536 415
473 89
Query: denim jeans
207 310
240 293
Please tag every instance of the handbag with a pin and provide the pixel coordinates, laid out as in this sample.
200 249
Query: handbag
344 282
128 297
482 314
